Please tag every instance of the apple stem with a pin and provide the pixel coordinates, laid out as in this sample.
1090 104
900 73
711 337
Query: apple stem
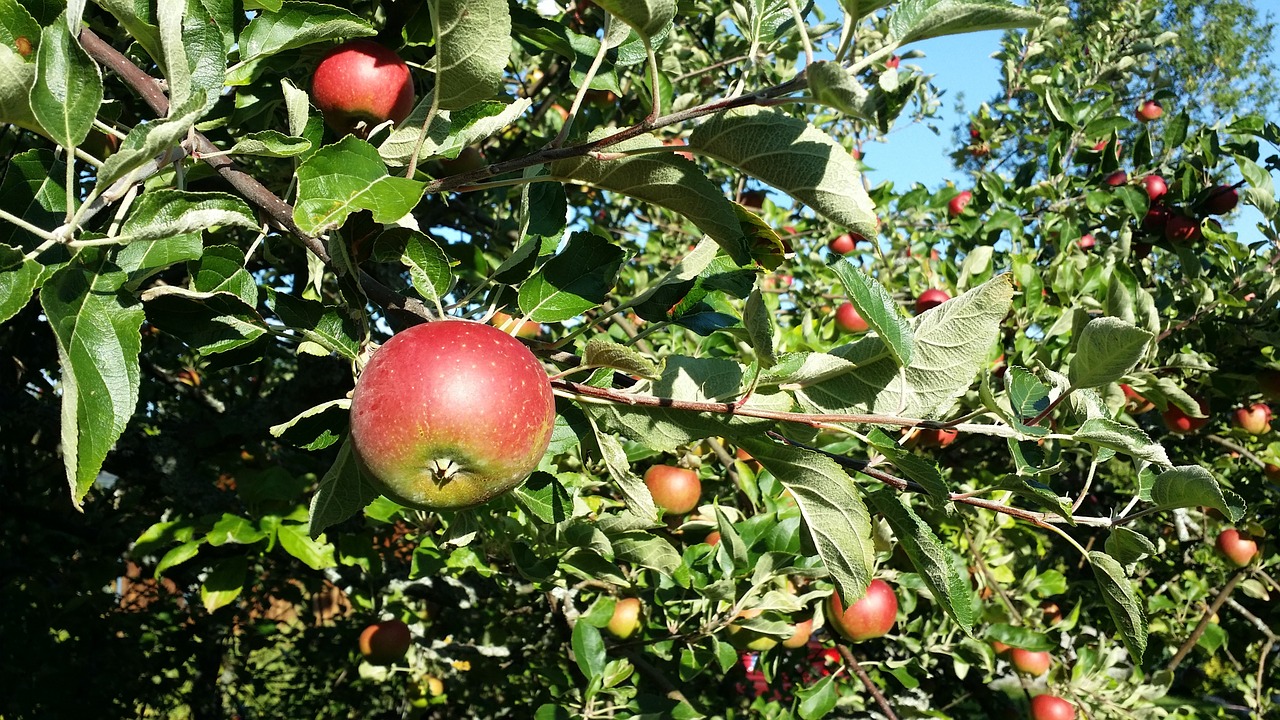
443 470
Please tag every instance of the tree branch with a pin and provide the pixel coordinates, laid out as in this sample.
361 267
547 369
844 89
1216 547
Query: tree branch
1204 620
853 664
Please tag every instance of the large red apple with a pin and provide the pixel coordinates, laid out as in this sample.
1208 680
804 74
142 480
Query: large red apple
1255 419
676 490
1155 186
1182 229
1238 548
625 618
959 203
449 414
1180 422
848 319
870 617
1029 662
1148 111
1051 707
1272 471
386 642
1222 200
938 438
361 82
1157 218
930 299
1086 241
1135 404
800 637
1117 178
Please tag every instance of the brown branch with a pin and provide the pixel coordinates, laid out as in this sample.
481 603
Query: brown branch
1204 620
853 664
991 579
1244 452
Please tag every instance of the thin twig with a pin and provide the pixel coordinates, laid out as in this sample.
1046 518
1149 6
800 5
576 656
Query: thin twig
1237 448
853 664
1204 620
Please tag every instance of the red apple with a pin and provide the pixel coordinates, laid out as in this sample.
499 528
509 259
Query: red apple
893 62
449 414
975 133
1148 111
1155 186
1272 472
1255 419
845 244
752 200
870 617
674 489
1117 178
361 82
1156 219
1051 707
1086 241
678 142
1180 422
386 642
1141 250
1182 229
1239 549
712 538
1028 662
930 299
1222 200
626 618
938 438
1269 384
848 319
959 203
999 647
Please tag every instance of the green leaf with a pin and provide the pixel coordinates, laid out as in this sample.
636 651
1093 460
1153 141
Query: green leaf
646 550
831 505
473 43
314 428
149 144
234 529
1020 637
450 132
588 650
270 143
1027 395
874 303
295 25
221 269
544 496
1194 486
1128 546
68 87
758 321
831 84
1108 349
16 22
793 156
139 20
316 553
647 17
633 489
32 189
223 583
603 353
913 466
428 265
17 75
1126 608
664 180
162 214
1123 439
934 561
178 555
329 327
951 345
18 280
97 329
342 493
914 20
347 177
577 279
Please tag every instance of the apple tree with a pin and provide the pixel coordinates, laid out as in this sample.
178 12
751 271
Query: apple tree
575 342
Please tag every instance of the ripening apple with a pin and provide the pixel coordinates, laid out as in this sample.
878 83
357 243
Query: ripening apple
361 83
1255 419
1180 422
930 299
752 200
999 647
1269 383
937 438
679 142
1182 229
870 617
1157 218
1135 404
959 203
1051 707
449 414
674 489
1148 111
1272 471
1238 548
625 618
1117 178
1222 200
845 244
1029 662
747 639
1086 241
712 538
892 63
386 642
848 319
1155 186
520 328
800 637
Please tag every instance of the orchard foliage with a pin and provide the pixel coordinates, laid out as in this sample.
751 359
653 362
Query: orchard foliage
194 270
